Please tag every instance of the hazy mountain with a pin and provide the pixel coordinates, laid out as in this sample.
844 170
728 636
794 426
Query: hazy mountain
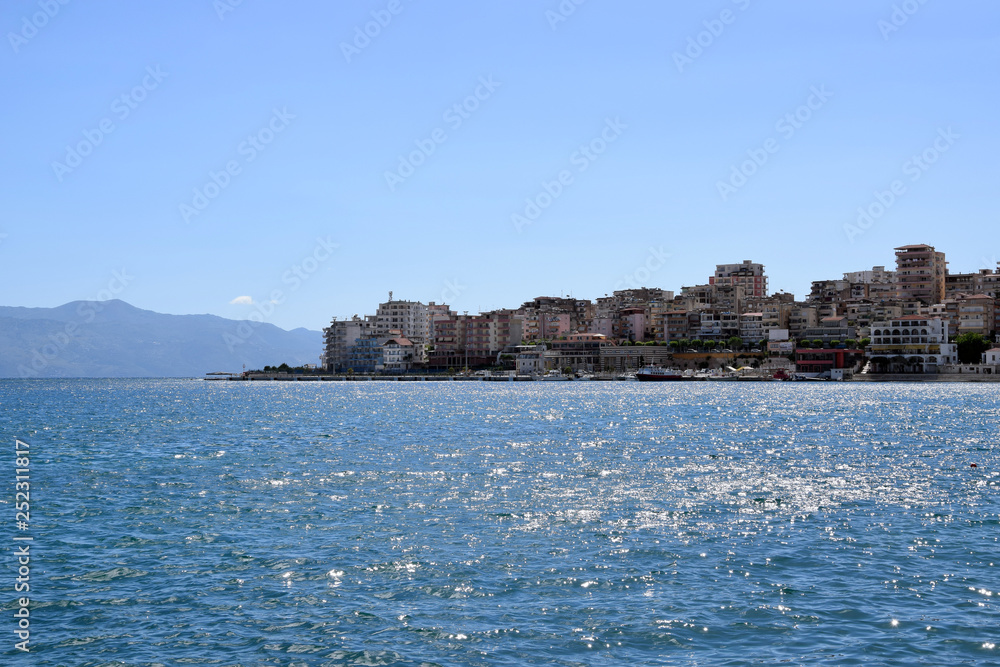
115 339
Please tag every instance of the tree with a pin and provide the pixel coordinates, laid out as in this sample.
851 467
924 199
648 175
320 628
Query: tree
865 342
684 343
735 342
818 343
697 343
851 343
675 345
284 368
834 343
805 343
971 347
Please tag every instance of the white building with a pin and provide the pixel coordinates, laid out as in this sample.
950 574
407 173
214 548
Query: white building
397 354
530 359
911 344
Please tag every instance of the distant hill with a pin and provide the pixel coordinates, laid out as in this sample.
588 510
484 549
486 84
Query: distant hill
115 339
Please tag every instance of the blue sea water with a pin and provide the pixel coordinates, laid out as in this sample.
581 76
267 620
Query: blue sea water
213 523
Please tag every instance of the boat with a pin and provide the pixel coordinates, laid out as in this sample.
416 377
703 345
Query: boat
657 374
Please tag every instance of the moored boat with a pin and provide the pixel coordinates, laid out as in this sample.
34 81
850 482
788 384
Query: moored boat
657 374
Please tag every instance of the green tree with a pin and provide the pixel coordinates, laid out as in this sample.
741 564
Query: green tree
735 342
818 343
684 343
971 347
805 343
851 343
697 343
675 345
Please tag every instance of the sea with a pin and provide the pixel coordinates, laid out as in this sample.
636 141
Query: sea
186 522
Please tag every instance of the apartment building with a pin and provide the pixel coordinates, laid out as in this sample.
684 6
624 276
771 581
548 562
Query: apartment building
748 275
920 274
340 336
410 318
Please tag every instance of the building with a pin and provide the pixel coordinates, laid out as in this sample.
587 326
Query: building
877 276
621 358
397 355
920 274
529 359
976 314
748 275
581 352
817 361
365 355
829 292
911 344
830 330
752 328
801 318
340 336
410 318
682 325
984 281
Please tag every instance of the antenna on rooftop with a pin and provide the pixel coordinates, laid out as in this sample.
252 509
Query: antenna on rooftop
390 295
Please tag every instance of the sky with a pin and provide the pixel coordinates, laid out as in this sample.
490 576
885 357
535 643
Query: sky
296 161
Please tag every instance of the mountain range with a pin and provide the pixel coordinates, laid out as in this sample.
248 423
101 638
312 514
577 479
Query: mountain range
116 339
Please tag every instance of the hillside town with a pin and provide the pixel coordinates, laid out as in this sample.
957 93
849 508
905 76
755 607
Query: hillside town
918 319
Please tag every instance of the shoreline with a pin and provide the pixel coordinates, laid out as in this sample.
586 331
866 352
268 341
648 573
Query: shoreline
868 378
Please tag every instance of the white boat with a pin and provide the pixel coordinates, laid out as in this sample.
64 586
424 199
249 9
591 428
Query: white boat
658 374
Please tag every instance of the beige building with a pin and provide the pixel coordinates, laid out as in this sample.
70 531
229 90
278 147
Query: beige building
920 274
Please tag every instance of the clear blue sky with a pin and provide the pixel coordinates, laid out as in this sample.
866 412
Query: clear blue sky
446 231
